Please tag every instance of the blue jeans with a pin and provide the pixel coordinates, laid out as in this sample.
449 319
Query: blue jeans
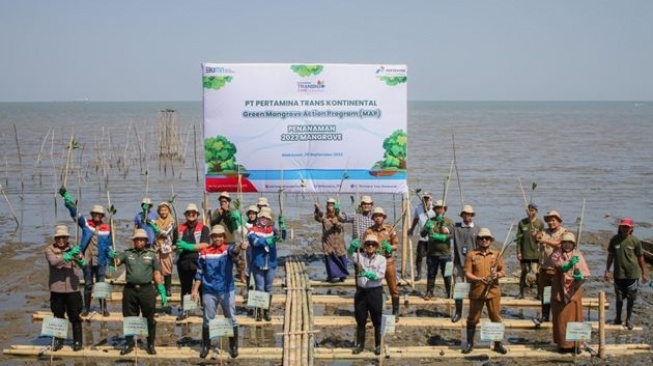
263 279
97 271
226 300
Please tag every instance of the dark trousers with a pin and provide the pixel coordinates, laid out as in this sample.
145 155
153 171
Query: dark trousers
137 300
435 263
66 303
186 278
368 300
421 254
93 274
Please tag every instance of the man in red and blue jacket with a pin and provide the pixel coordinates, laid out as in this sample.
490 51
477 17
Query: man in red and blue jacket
263 237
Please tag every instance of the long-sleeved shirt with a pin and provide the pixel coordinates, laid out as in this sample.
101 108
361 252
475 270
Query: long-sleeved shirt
365 262
216 268
360 222
63 278
96 239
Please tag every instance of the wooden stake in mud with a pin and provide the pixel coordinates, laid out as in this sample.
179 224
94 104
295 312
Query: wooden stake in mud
11 208
71 146
602 324
112 212
20 162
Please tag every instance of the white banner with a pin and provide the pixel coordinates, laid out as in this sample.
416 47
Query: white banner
298 127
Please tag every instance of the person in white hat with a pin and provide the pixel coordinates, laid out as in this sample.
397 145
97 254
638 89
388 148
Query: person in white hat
333 241
567 292
262 202
95 244
484 266
263 238
143 217
252 215
528 253
423 212
165 228
361 219
65 298
231 220
464 241
193 236
549 240
625 251
142 274
370 267
387 236
437 230
216 280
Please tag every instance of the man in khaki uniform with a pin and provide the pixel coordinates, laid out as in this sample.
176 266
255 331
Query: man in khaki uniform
483 268
549 240
389 243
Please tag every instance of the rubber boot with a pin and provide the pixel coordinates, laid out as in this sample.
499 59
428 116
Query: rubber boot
418 266
395 307
168 285
430 286
87 303
103 307
617 318
498 347
360 340
459 311
522 285
77 336
471 333
206 343
266 312
447 286
259 312
546 311
233 344
129 345
58 344
629 312
151 330
377 340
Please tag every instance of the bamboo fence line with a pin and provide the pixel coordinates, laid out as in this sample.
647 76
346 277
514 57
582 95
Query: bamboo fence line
298 326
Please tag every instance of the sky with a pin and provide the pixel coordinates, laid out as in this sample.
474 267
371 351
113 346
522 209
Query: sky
463 50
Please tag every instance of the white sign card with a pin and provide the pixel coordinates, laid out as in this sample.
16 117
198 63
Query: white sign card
189 304
222 327
388 324
492 331
258 299
448 269
102 290
578 331
134 326
54 327
546 295
461 290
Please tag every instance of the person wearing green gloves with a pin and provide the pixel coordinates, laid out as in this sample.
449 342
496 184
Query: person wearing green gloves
263 238
368 299
193 236
464 241
142 218
566 291
139 294
231 219
437 230
333 240
65 298
387 236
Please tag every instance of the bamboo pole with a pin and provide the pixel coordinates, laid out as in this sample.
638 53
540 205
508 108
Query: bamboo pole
11 208
602 325
20 162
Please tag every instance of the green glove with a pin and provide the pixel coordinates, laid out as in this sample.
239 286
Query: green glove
162 292
112 253
567 266
439 237
182 245
387 247
235 218
75 251
428 225
81 262
151 224
578 276
440 219
62 191
353 247
336 207
370 275
68 256
112 269
271 241
68 200
574 259
282 223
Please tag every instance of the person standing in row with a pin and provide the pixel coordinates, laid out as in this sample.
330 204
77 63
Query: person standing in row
143 217
438 231
528 253
333 241
625 251
65 298
194 237
94 245
165 227
215 275
423 212
139 295
566 292
464 241
252 215
369 290
262 237
387 236
549 241
484 267
231 220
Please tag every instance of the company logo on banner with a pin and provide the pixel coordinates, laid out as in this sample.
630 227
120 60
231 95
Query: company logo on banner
283 126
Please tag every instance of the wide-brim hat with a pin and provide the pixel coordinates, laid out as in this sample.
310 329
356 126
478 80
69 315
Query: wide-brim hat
218 230
252 208
366 199
331 200
553 213
163 204
266 212
627 222
426 194
191 208
61 231
139 234
146 201
97 209
439 203
262 201
484 232
372 238
533 206
226 195
568 236
468 209
378 211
